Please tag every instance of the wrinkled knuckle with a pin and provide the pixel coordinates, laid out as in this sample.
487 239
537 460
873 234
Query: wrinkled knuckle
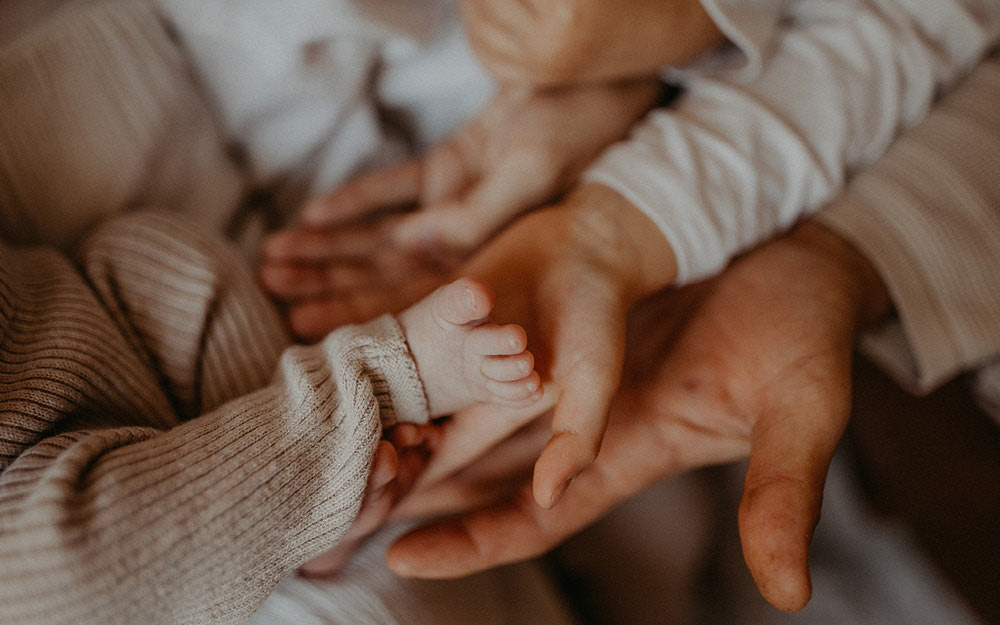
774 481
771 494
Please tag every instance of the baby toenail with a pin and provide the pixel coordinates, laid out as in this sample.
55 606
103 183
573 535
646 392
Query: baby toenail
532 386
470 299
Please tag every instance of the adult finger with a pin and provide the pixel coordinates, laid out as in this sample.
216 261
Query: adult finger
384 188
589 353
791 449
293 281
578 426
517 183
509 532
313 319
317 245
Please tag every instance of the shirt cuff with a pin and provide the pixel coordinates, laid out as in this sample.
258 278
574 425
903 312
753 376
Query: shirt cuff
698 250
750 27
384 356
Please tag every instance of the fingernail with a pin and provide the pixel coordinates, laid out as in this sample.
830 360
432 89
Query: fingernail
470 299
559 492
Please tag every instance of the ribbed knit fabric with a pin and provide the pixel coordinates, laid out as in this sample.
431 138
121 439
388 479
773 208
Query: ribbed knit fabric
928 216
100 114
151 473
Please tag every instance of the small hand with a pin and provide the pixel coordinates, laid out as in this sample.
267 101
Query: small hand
348 261
396 465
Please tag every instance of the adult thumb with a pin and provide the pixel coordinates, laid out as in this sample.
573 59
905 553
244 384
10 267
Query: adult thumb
783 493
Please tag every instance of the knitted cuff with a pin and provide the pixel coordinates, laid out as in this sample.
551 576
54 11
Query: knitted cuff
381 348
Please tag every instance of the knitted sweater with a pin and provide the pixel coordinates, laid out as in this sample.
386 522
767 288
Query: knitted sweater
151 472
928 216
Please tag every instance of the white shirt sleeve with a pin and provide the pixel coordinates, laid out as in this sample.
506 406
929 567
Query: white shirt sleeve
751 26
927 216
734 162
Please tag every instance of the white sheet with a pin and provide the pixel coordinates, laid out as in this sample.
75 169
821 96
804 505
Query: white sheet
300 84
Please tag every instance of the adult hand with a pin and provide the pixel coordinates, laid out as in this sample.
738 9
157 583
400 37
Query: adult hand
557 42
348 261
569 274
754 363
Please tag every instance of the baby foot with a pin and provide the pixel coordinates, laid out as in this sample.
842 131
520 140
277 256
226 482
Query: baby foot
464 360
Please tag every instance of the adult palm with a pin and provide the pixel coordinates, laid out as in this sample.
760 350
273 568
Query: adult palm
755 363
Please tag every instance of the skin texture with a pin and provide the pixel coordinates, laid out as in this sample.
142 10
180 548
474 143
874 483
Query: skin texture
448 332
753 364
558 42
462 358
347 261
569 275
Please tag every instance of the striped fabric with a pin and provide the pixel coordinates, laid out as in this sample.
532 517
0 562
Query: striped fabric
162 460
100 114
928 216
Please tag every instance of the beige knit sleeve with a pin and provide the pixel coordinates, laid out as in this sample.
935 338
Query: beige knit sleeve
114 509
928 216
98 114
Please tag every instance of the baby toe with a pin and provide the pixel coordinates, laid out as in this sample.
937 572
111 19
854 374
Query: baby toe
508 368
523 390
494 340
463 301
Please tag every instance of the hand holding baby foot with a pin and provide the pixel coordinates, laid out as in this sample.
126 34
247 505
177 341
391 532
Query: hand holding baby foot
462 358
771 382
570 274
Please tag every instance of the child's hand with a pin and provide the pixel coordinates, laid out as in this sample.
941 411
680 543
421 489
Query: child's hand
556 42
396 465
524 149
